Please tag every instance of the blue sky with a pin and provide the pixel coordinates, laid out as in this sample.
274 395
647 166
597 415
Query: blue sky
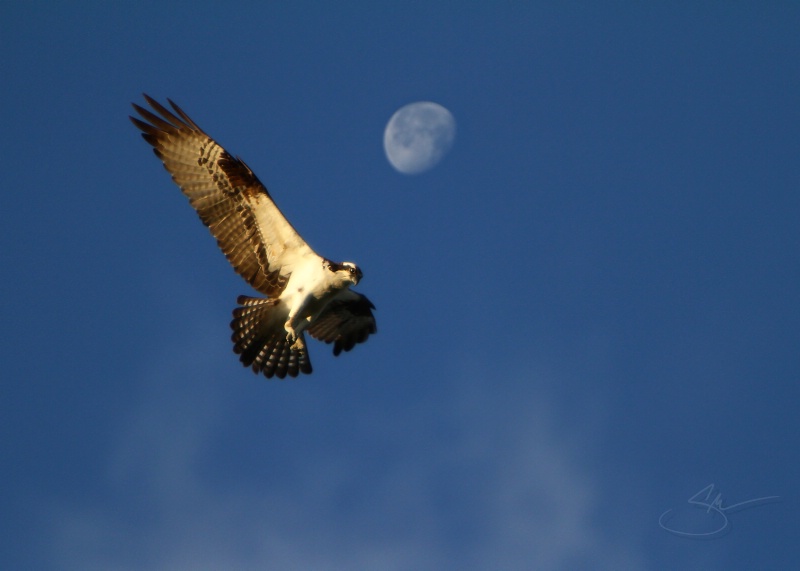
587 312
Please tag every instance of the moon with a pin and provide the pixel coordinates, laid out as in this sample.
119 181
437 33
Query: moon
418 136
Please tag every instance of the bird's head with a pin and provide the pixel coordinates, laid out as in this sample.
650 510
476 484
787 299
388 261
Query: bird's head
347 273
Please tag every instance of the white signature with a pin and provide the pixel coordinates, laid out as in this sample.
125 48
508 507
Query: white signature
712 506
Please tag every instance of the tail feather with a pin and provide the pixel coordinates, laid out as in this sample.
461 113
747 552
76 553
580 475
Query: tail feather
261 341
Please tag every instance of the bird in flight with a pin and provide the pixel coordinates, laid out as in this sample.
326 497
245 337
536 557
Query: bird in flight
304 291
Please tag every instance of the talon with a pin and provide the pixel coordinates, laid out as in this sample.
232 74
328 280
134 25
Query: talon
294 337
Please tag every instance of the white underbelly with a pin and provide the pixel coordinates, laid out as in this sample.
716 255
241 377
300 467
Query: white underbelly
307 293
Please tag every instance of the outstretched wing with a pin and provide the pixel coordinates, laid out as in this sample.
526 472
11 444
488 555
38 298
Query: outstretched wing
346 320
256 238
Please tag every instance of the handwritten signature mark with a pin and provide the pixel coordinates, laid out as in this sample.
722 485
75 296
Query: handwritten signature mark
713 506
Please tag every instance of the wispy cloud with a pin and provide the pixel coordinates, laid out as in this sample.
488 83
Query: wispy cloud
472 479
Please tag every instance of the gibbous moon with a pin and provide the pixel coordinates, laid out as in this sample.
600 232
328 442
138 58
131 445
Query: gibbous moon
418 136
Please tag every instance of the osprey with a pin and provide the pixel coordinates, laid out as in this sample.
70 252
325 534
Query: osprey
305 292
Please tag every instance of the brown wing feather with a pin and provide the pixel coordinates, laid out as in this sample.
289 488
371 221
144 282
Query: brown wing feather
231 201
346 320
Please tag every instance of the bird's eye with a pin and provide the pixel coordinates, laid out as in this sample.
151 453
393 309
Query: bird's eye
352 270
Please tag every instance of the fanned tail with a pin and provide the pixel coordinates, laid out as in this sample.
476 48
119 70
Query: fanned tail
261 341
